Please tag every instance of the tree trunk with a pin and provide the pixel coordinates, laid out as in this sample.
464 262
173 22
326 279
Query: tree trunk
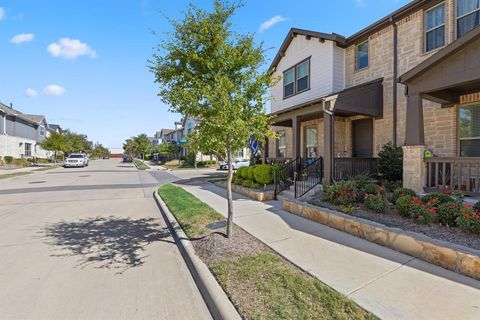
55 157
229 196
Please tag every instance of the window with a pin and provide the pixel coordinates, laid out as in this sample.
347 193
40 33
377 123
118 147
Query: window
303 75
281 144
42 131
296 79
28 149
468 16
435 28
362 56
289 83
469 131
311 135
238 154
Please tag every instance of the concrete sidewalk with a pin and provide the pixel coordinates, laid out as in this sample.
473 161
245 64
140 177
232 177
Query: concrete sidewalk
387 283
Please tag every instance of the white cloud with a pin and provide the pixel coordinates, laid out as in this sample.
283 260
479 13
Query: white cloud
31 92
2 13
70 49
271 22
54 90
22 37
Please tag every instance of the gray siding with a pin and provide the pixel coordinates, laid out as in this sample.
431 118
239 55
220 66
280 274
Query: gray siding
20 129
2 119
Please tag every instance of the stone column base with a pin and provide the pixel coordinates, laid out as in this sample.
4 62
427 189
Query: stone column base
414 168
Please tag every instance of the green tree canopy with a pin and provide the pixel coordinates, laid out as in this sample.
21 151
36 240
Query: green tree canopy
210 72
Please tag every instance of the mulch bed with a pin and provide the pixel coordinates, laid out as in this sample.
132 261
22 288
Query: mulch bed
392 219
216 246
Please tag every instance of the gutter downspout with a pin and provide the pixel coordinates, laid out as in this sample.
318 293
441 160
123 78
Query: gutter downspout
395 79
328 154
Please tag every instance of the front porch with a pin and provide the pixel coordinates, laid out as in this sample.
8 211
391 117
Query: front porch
339 129
451 79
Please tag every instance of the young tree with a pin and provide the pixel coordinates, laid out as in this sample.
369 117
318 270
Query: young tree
142 144
55 142
208 71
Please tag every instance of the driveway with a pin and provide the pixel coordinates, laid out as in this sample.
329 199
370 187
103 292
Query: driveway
89 243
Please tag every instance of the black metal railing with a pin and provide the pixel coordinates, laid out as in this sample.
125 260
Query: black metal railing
308 178
284 176
462 174
347 168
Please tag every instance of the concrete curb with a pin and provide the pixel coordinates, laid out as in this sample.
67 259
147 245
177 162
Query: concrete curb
216 299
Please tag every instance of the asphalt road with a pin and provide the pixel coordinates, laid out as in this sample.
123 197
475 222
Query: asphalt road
90 243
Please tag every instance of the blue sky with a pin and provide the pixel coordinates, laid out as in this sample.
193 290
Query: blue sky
82 63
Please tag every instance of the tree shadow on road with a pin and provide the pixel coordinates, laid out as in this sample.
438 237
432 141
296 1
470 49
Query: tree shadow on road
111 242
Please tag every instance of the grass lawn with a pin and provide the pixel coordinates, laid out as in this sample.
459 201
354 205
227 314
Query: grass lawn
140 164
192 214
175 165
15 174
260 285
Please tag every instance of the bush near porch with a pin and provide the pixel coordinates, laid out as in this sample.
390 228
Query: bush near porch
255 177
435 208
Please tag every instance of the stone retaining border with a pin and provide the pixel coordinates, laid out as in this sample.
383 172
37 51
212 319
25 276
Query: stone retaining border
251 193
215 298
447 255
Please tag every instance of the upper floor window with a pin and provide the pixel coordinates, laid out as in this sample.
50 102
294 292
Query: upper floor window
303 75
469 122
42 131
435 28
468 16
362 56
296 79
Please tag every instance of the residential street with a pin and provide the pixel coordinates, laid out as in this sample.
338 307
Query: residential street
90 243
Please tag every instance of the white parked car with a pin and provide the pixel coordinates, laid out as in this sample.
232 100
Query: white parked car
76 160
236 164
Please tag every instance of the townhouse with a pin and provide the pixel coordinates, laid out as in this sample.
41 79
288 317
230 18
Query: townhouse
21 134
411 78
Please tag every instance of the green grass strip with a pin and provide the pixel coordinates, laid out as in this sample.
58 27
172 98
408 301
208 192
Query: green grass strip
192 214
45 168
140 165
266 287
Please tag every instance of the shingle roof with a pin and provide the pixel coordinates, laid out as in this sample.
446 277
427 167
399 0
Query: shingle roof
32 118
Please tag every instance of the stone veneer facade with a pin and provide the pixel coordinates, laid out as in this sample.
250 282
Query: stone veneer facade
440 123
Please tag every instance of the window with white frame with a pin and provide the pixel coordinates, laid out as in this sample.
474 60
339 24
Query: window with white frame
468 16
469 130
361 55
435 28
42 131
289 83
281 144
28 149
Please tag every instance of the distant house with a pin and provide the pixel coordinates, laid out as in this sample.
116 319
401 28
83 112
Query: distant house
21 134
54 128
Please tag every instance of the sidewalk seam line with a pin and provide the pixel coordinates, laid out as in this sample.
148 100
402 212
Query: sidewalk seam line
379 277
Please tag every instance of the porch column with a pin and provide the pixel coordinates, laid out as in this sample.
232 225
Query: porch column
414 168
328 122
296 137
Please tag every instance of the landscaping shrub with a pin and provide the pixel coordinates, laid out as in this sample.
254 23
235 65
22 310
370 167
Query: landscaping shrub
400 192
438 198
237 180
190 159
2 163
377 203
420 211
348 208
20 162
390 162
468 219
244 172
370 188
391 186
477 206
447 213
248 183
341 192
8 159
403 204
458 194
362 180
263 174
251 173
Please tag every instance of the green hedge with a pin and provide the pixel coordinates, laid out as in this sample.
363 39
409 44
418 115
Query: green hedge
254 176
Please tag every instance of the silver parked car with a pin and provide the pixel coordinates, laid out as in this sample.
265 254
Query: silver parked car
76 160
236 164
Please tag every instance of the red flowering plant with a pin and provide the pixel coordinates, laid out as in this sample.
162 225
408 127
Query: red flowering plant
468 219
423 212
447 213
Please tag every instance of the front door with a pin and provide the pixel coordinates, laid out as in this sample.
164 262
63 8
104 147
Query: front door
362 138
